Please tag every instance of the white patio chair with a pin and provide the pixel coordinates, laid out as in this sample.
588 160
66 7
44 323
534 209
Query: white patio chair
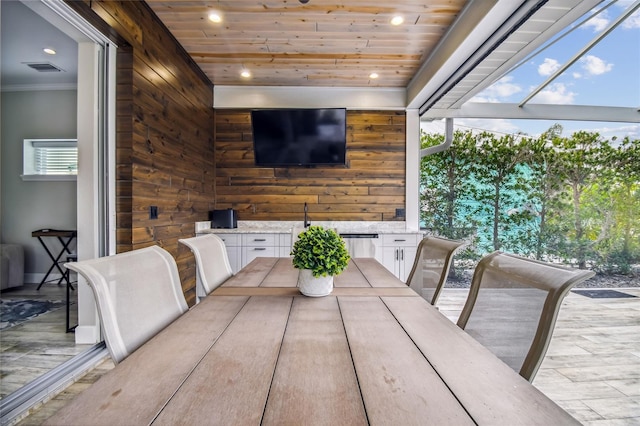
212 263
512 307
431 266
138 293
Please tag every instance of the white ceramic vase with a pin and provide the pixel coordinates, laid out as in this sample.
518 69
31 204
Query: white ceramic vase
314 286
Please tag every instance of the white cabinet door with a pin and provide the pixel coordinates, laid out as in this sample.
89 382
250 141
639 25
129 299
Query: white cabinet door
235 259
408 255
399 252
285 245
390 259
233 243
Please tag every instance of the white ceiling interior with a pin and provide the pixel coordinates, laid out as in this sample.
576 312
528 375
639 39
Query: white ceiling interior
24 34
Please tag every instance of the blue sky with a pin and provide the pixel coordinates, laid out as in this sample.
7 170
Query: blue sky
608 74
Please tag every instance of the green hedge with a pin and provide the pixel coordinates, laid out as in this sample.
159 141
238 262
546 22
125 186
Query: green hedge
574 200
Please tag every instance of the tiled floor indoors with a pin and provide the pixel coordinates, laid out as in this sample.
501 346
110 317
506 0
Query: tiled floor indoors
32 348
592 367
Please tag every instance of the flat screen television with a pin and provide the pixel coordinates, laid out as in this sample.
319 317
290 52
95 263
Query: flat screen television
299 137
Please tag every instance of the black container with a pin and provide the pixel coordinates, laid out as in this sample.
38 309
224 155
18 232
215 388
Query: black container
223 218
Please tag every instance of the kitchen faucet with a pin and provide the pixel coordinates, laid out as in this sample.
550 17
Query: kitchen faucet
306 221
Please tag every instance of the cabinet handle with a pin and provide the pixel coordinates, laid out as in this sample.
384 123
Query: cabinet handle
402 254
397 254
259 239
260 248
400 240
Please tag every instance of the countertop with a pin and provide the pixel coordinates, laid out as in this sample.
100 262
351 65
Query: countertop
285 227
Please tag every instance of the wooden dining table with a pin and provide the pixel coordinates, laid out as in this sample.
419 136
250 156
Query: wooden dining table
256 351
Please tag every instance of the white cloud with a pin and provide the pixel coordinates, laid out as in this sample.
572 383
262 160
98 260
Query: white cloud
499 91
476 125
599 22
632 21
576 75
548 67
607 130
484 99
495 125
595 66
556 93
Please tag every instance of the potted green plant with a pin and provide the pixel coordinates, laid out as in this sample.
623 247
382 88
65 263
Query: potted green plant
320 254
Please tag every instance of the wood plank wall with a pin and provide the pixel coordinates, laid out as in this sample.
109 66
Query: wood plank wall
164 138
371 187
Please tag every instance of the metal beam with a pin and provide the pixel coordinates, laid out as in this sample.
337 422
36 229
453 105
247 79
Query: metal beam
538 112
583 51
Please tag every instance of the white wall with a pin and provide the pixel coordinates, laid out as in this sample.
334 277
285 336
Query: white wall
30 205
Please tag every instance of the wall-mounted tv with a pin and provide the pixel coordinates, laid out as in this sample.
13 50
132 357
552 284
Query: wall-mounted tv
299 137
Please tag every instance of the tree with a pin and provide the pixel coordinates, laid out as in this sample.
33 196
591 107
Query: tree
545 189
498 188
444 183
575 199
622 247
579 165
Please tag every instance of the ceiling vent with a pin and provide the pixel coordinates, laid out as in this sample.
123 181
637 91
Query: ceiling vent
44 67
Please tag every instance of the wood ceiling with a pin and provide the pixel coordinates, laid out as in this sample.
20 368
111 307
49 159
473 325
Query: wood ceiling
320 43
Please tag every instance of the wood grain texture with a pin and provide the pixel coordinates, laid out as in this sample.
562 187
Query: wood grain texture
231 383
116 397
253 274
315 382
376 274
318 43
164 139
279 359
398 386
277 276
370 187
337 292
492 380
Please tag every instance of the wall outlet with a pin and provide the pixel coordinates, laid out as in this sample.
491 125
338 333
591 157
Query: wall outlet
400 213
153 212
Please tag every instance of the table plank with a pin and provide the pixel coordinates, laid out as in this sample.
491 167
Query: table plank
256 354
293 291
253 274
231 383
398 385
137 389
351 277
489 389
314 382
376 274
283 274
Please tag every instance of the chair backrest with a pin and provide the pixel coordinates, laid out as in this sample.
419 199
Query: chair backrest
431 266
138 293
512 307
212 262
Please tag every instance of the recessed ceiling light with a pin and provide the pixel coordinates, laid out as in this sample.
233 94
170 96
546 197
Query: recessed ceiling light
49 51
397 20
245 73
215 17
374 75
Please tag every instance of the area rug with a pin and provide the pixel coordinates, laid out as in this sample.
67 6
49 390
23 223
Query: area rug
14 312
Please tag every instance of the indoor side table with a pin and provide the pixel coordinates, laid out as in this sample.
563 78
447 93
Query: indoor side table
64 237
